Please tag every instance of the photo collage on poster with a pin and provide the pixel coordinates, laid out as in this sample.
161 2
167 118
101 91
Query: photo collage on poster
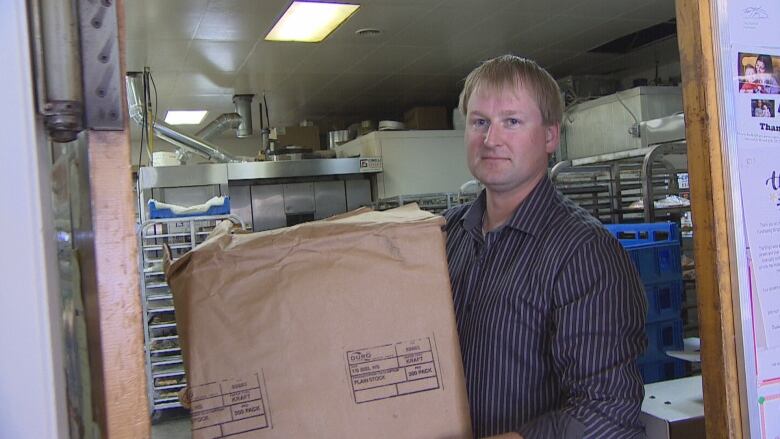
759 76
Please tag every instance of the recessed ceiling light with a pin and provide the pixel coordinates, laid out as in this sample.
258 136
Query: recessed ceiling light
310 22
184 117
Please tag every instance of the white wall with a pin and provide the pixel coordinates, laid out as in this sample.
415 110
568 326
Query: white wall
32 398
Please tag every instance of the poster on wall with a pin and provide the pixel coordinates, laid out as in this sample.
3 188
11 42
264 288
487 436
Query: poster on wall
751 45
753 22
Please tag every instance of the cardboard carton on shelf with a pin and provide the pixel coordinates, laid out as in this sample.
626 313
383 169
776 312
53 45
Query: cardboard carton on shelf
427 118
307 137
336 328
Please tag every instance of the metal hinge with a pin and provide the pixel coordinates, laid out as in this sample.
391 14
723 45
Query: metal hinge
100 64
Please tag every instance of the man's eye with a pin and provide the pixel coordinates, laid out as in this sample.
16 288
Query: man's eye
480 122
512 122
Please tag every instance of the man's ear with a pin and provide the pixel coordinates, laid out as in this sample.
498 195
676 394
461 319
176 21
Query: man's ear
552 137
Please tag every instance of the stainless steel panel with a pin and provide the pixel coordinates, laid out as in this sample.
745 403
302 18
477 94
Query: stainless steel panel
663 130
175 176
241 204
296 168
602 125
330 198
298 198
358 193
267 207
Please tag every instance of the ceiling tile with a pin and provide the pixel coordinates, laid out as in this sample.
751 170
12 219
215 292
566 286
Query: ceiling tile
238 20
548 7
205 56
658 11
165 82
135 20
135 55
333 58
299 88
605 8
390 59
439 25
436 62
389 18
348 85
548 33
259 82
160 56
277 57
191 84
172 19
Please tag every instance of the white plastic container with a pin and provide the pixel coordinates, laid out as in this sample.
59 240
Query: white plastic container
165 158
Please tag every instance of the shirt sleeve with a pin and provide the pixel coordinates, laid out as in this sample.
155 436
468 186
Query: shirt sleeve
597 334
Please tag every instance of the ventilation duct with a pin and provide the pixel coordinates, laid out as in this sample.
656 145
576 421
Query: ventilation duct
244 109
220 124
168 133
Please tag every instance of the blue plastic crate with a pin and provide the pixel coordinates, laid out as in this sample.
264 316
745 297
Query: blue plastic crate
654 248
645 233
155 213
664 300
661 370
662 336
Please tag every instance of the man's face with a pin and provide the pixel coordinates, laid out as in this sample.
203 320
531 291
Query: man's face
507 143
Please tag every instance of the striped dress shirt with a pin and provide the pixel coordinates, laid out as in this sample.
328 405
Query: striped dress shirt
551 314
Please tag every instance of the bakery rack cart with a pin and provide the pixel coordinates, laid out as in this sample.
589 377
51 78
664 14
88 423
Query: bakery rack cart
164 366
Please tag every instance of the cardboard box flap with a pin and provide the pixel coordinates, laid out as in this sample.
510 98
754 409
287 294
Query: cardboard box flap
222 240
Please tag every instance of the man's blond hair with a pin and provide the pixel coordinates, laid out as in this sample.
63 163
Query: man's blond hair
508 71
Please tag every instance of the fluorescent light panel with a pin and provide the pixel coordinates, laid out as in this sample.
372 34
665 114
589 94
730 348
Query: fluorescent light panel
184 117
310 22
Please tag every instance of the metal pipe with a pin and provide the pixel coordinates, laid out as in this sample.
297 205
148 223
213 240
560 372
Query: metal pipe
60 34
168 133
60 59
37 54
220 124
212 151
244 108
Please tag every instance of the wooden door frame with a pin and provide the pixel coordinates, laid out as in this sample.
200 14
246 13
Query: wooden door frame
114 310
707 171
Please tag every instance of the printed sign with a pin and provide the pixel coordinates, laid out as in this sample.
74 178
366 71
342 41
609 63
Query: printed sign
392 370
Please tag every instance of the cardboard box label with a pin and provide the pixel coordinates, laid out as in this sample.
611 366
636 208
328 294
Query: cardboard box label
393 370
229 407
371 164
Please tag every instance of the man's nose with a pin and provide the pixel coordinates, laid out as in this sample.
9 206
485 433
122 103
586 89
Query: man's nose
493 135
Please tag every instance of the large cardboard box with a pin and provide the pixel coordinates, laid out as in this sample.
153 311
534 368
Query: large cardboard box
427 118
307 137
338 328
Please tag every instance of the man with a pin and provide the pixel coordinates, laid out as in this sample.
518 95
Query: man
550 309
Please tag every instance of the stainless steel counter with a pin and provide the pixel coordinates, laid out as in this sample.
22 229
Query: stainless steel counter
222 173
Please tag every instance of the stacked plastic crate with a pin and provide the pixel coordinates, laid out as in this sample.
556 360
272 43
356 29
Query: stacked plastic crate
655 251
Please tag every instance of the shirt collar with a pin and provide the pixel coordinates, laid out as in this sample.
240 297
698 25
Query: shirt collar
530 216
